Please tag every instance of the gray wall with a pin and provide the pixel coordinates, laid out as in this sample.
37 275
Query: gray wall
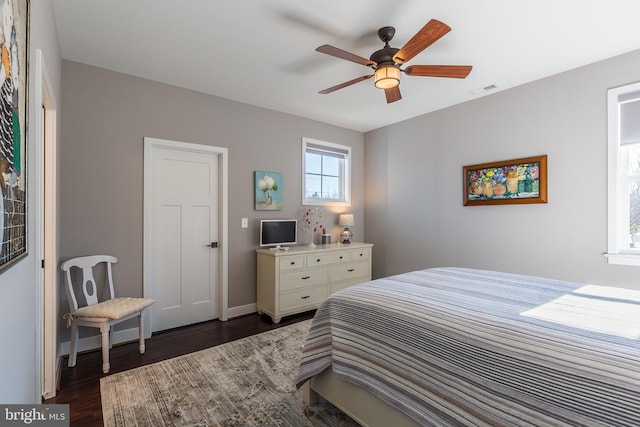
413 171
107 115
19 311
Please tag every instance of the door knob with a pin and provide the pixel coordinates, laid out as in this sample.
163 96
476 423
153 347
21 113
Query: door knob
213 245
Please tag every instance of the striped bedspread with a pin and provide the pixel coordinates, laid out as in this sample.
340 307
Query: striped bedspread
462 347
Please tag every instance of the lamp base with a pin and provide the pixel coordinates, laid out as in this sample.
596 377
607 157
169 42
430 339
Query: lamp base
346 236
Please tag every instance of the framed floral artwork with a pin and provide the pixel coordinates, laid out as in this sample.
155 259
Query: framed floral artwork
507 182
14 27
268 191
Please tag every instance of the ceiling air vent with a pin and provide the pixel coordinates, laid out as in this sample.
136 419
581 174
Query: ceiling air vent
484 89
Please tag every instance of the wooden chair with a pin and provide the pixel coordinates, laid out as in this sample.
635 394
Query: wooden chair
98 314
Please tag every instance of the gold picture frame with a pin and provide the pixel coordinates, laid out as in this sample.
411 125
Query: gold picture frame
506 182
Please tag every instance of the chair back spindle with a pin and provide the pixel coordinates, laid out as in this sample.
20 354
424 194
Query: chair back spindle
89 287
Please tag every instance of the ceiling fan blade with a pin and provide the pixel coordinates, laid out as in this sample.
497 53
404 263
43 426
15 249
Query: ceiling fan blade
453 71
345 84
429 34
393 94
343 54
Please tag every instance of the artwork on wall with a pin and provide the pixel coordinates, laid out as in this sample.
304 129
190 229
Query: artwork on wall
510 181
13 130
268 191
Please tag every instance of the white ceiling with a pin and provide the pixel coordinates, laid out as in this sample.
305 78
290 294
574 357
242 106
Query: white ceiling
262 52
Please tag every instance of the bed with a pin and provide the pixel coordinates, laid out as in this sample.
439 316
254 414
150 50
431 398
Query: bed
460 347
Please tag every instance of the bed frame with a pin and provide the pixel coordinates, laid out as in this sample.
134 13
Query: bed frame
363 407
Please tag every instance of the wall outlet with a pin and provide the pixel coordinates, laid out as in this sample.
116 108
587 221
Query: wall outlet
245 222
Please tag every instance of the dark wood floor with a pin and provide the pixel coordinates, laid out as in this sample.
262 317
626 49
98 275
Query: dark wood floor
80 386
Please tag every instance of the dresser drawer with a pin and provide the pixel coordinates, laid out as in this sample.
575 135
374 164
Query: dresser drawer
327 258
302 278
303 297
338 257
291 262
350 270
360 254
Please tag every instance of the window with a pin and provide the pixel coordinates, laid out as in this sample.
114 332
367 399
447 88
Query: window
624 175
326 173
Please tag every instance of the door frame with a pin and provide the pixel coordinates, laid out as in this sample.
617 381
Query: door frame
151 144
47 356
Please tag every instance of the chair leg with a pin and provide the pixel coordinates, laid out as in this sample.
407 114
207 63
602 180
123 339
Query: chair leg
141 333
73 351
105 330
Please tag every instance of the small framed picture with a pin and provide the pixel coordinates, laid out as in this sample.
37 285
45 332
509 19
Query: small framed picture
268 191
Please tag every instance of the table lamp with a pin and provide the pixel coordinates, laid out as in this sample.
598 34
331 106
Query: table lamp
346 220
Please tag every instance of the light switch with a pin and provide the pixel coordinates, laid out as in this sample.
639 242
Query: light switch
245 222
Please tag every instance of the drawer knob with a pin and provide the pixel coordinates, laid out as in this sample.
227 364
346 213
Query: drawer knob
361 254
340 256
318 260
351 270
306 277
293 263
305 297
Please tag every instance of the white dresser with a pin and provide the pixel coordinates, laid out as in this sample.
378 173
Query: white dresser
300 278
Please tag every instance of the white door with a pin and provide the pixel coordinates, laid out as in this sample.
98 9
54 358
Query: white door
183 227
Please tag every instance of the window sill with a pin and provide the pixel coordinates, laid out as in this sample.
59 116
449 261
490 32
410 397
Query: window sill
325 202
623 259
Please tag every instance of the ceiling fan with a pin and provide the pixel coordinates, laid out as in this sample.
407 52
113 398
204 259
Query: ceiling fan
387 61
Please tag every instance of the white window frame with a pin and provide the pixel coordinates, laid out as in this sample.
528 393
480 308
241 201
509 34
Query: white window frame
618 251
330 147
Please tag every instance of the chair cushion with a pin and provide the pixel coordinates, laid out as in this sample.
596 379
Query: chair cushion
114 308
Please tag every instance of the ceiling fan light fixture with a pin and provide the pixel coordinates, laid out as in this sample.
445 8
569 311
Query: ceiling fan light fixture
387 62
387 77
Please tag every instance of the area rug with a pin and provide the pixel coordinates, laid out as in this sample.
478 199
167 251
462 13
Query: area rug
248 382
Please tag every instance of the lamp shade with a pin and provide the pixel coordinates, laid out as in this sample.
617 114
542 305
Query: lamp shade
387 77
346 220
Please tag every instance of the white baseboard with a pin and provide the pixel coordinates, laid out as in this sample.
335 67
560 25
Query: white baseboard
95 342
126 335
